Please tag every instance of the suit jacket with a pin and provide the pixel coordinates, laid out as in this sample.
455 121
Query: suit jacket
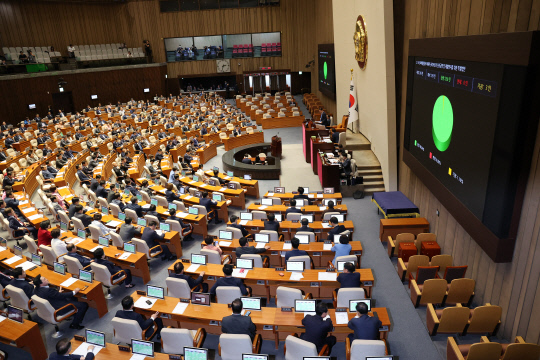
229 281
24 286
294 252
113 269
71 210
241 250
55 356
128 232
305 228
316 330
365 327
335 230
191 282
101 192
137 208
132 315
82 176
207 203
151 237
110 195
170 196
293 210
82 259
349 280
238 226
57 299
86 219
238 324
303 196
271 225
15 224
182 225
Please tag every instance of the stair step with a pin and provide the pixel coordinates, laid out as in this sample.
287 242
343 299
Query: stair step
373 178
369 172
374 185
371 191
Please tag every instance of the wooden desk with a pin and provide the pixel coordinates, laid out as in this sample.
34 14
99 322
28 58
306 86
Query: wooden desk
252 186
307 133
430 248
21 145
329 174
111 352
287 228
93 295
27 214
264 281
309 209
282 122
406 250
246 139
316 250
237 197
314 198
25 336
207 152
392 227
316 146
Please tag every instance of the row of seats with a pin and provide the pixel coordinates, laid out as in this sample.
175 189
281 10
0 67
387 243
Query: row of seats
43 54
99 54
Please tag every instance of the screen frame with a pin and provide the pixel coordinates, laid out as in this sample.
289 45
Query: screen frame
98 332
142 341
370 306
91 276
225 231
329 48
205 259
314 301
249 297
206 295
290 261
19 310
63 265
252 262
156 287
262 356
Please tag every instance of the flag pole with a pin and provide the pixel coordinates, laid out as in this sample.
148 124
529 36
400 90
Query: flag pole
353 126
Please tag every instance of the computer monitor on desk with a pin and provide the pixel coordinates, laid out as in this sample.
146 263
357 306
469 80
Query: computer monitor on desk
304 239
140 347
191 353
267 202
246 216
96 338
296 266
353 303
301 305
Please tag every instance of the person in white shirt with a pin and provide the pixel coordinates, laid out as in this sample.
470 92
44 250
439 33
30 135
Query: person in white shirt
71 51
59 247
97 223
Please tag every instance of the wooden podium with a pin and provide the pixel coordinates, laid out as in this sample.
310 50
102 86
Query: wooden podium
276 146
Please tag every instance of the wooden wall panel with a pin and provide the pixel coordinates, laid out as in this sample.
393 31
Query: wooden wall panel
515 285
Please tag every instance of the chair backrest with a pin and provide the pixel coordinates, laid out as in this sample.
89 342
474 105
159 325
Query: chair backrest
131 214
484 351
234 345
455 272
101 274
150 218
95 232
346 294
237 233
103 202
145 196
424 273
350 258
31 244
362 348
115 209
328 215
116 239
213 256
202 209
141 246
162 201
305 258
442 261
293 216
298 348
175 225
180 206
125 330
259 215
420 238
44 309
453 320
63 216
404 237
433 291
73 264
174 340
49 257
484 319
460 291
257 259
522 352
415 261
18 297
285 296
77 223
226 294
311 235
274 236
178 288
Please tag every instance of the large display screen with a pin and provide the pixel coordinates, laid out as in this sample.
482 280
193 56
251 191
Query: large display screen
327 70
454 115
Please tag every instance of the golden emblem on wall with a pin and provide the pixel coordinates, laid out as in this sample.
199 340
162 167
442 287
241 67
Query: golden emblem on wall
360 42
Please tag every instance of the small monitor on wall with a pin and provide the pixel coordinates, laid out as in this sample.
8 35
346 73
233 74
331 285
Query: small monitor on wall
146 90
93 97
31 106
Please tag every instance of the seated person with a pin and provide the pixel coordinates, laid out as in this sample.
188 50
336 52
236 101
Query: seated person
152 211
336 228
129 231
365 327
86 219
128 313
237 323
233 224
208 203
170 195
342 248
247 159
293 208
152 239
212 245
187 229
63 348
295 243
228 280
19 281
330 208
301 195
72 252
305 226
99 224
271 223
349 278
134 205
317 328
194 284
99 256
245 249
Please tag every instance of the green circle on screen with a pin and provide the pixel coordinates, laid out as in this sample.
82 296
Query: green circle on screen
325 70
443 122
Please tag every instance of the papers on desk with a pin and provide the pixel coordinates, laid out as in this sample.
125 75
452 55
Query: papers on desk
63 187
223 189
320 196
95 248
27 210
159 232
180 308
2 318
68 282
141 303
23 202
74 240
322 208
192 182
240 273
113 223
270 194
162 191
82 350
327 276
204 185
311 196
12 260
182 214
137 357
227 178
2 248
26 265
225 243
145 207
188 197
325 225
192 268
260 245
262 207
342 318
310 313
34 217
243 222
124 256
327 247
287 246
295 276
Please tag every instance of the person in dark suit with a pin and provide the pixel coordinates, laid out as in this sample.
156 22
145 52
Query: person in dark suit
187 229
8 180
334 135
72 208
63 349
99 256
170 195
72 252
365 327
317 328
134 205
47 175
324 119
245 249
349 278
194 284
295 252
208 203
101 191
151 237
293 208
305 226
336 228
86 219
129 231
148 324
19 228
237 323
271 223
94 183
330 208
117 200
84 179
301 195
247 159
58 299
233 224
228 280
345 164
19 281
